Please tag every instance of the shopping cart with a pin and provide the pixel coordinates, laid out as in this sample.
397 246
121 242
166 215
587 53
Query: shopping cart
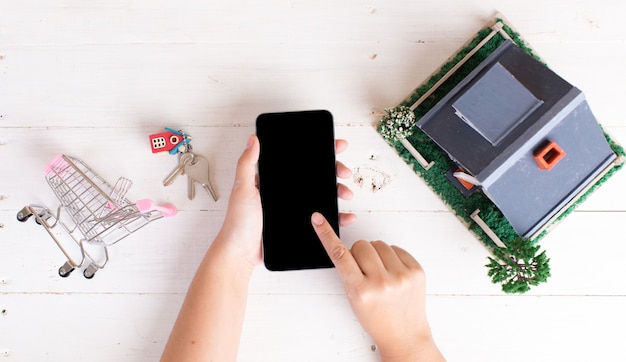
92 214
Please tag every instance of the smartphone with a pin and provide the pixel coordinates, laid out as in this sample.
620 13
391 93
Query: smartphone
297 176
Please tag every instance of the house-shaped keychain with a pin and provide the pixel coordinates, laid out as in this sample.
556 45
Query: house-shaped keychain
171 141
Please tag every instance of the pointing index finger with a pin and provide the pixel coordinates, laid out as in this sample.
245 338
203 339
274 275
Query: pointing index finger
344 262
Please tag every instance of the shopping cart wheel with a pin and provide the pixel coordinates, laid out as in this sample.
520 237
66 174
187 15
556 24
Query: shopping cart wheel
24 214
89 271
66 269
43 216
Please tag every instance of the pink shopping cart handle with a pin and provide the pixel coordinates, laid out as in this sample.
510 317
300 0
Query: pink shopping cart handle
145 205
57 163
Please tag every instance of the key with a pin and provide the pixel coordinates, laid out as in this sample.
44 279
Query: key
198 171
180 169
191 188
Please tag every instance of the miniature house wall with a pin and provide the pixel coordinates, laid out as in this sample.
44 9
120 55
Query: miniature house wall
523 134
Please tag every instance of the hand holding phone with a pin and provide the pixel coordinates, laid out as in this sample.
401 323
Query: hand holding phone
291 193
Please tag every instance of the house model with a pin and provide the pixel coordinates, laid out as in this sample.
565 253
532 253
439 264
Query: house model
508 145
522 134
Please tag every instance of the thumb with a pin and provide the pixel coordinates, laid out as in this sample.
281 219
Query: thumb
246 166
339 254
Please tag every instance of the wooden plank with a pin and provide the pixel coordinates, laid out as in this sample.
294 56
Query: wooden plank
287 327
395 188
162 257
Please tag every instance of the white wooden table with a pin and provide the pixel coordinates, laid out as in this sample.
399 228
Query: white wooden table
94 79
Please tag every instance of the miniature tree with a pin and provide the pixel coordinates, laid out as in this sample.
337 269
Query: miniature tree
518 266
397 124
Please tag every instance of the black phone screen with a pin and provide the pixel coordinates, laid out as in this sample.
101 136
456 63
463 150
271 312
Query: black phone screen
297 176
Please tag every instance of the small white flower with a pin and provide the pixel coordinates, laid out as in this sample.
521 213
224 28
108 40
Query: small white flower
397 123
